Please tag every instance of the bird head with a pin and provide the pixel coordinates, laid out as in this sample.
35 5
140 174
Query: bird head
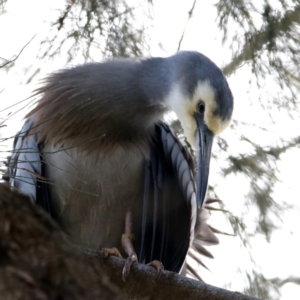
203 102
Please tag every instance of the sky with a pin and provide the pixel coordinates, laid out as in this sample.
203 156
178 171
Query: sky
280 257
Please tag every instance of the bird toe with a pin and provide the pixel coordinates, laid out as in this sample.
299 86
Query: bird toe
156 264
128 262
110 251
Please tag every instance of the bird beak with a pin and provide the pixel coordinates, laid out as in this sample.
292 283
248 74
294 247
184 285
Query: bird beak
204 140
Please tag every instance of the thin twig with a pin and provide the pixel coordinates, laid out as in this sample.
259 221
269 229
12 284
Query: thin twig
14 59
190 16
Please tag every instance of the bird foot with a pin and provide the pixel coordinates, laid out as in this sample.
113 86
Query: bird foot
156 264
110 251
128 263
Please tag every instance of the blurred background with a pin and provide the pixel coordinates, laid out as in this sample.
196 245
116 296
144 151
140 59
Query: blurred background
255 169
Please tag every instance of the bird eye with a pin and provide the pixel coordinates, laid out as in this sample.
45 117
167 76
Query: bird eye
201 107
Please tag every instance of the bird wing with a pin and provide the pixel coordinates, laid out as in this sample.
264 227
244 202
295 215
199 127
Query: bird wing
25 167
169 203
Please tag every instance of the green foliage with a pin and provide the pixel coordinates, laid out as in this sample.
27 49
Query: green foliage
2 6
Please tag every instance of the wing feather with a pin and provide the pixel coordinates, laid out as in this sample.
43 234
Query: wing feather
171 193
25 167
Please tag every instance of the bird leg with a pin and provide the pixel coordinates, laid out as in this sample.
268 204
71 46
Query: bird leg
127 244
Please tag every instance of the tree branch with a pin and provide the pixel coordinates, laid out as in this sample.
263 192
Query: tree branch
38 262
167 285
281 282
261 38
9 61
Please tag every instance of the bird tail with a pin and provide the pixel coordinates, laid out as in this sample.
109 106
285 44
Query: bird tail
205 235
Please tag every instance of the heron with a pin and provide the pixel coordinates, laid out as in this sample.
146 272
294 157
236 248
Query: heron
97 155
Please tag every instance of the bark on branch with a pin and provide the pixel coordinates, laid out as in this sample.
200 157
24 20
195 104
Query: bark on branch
167 285
38 262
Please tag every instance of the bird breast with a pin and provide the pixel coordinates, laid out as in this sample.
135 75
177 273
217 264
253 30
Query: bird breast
92 191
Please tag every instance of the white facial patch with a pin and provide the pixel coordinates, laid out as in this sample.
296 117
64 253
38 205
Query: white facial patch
206 93
185 109
182 106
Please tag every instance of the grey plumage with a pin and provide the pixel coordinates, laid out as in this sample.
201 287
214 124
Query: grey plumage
96 135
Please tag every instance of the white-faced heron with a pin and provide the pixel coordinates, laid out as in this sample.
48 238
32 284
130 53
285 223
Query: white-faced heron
96 154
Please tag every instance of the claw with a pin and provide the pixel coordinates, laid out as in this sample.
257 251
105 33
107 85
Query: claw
110 251
156 264
128 262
